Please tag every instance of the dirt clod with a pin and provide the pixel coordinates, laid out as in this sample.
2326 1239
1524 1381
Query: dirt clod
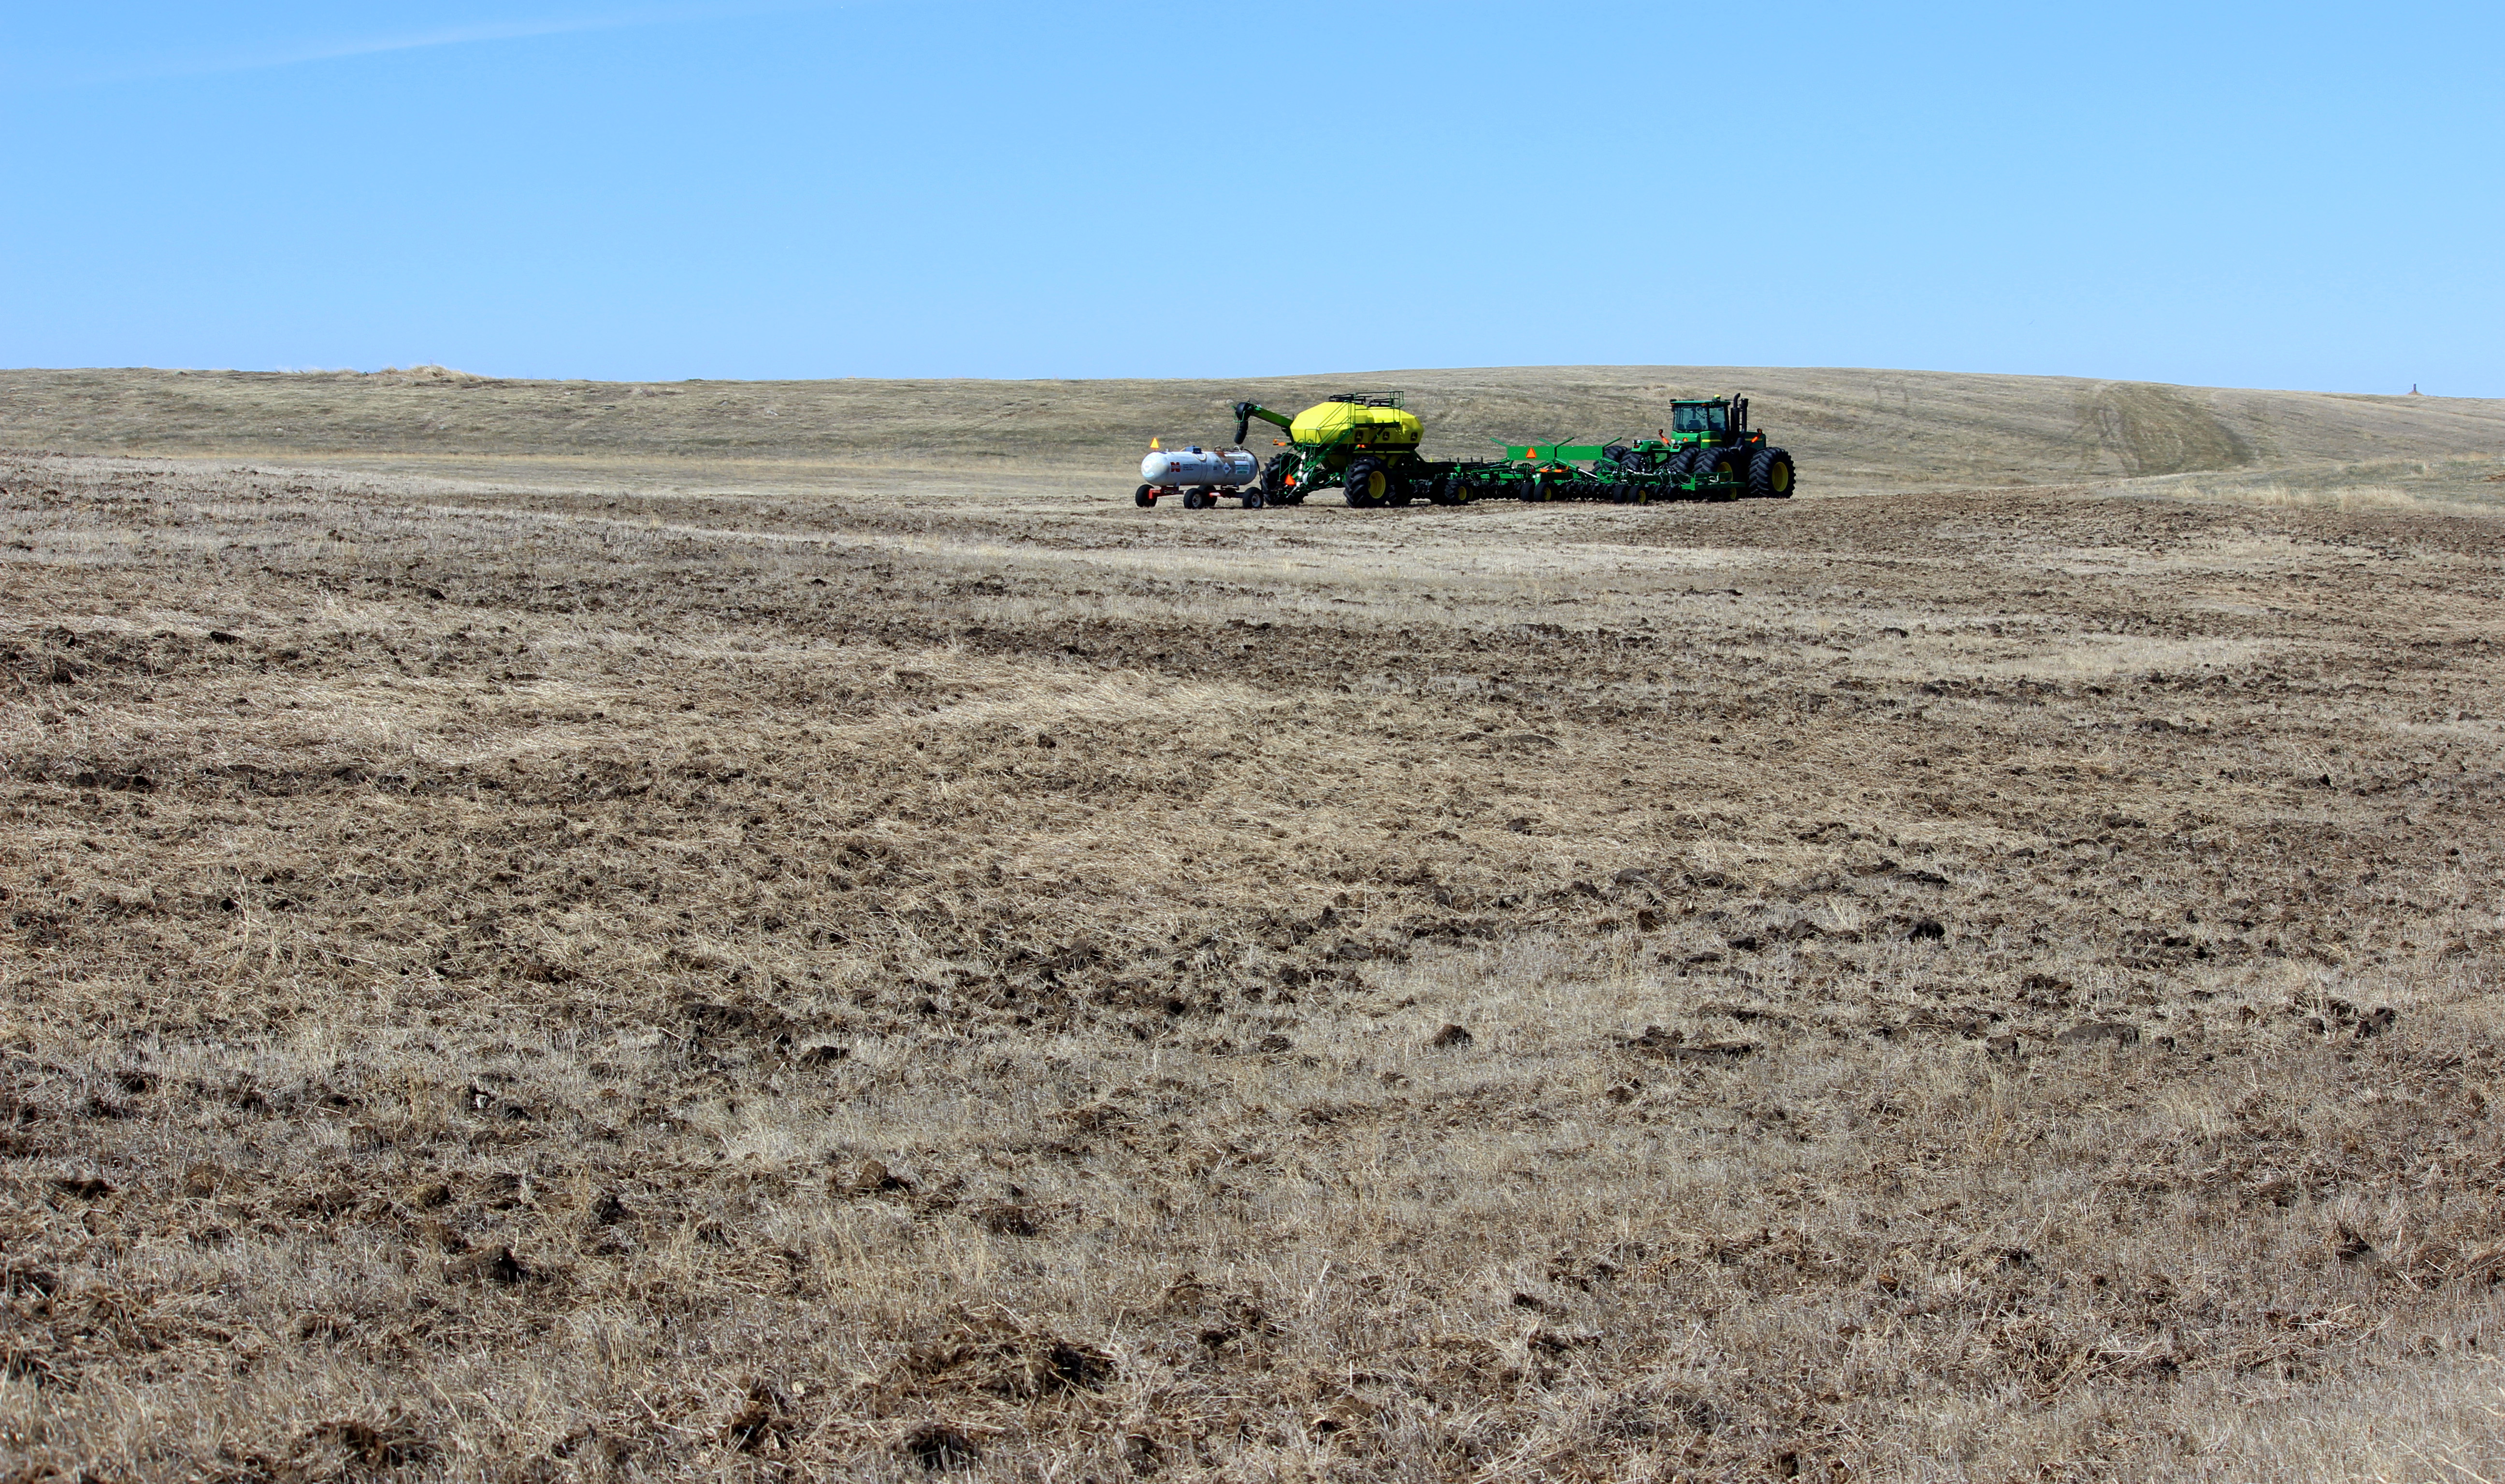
940 1448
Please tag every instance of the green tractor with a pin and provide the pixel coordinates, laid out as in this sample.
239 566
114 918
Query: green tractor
1709 444
1361 442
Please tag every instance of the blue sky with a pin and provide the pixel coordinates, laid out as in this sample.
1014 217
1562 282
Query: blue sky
2283 195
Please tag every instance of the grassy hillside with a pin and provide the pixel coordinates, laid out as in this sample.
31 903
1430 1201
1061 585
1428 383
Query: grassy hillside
1851 428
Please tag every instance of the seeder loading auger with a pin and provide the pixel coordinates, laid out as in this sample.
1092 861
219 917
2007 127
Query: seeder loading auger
1365 443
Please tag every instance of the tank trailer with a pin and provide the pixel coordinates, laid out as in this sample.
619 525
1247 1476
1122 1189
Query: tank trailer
1203 475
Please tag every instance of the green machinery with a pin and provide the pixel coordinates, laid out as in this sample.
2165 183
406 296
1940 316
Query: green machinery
1365 443
1361 442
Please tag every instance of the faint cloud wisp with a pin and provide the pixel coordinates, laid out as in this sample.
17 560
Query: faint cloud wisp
344 47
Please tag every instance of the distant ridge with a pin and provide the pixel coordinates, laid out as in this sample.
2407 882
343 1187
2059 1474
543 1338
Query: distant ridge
1848 427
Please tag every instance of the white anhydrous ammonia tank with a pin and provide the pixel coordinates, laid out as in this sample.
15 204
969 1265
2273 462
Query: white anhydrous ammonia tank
1198 465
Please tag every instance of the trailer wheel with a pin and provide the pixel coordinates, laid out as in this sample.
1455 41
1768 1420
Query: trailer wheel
1253 500
1770 474
1194 500
1145 495
1368 484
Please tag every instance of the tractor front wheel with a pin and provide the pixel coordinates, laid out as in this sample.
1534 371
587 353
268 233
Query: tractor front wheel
1369 484
1720 467
1770 474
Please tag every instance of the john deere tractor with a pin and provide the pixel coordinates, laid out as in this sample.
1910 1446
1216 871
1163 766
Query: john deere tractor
1709 444
1358 440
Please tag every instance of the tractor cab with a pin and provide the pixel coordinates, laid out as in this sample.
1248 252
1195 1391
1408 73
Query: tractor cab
1710 419
1718 422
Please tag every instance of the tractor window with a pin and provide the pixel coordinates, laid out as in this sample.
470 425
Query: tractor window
1702 418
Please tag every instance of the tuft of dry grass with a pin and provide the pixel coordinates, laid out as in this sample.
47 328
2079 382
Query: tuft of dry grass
923 974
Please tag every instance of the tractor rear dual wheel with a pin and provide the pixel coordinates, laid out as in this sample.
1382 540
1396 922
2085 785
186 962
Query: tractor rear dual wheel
1770 474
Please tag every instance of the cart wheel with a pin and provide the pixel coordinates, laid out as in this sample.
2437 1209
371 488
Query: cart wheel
1368 484
1253 500
1144 497
1194 499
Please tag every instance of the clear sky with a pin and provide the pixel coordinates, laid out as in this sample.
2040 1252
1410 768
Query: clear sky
2284 195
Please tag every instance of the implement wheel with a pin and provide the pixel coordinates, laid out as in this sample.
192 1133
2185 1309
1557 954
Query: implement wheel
1770 474
1253 500
1279 479
1369 484
1144 497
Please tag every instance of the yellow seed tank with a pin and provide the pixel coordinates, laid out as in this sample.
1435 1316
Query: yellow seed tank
1354 422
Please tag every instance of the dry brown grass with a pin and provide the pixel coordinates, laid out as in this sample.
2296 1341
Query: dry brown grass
646 977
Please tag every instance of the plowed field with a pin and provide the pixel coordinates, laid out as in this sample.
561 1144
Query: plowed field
624 976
